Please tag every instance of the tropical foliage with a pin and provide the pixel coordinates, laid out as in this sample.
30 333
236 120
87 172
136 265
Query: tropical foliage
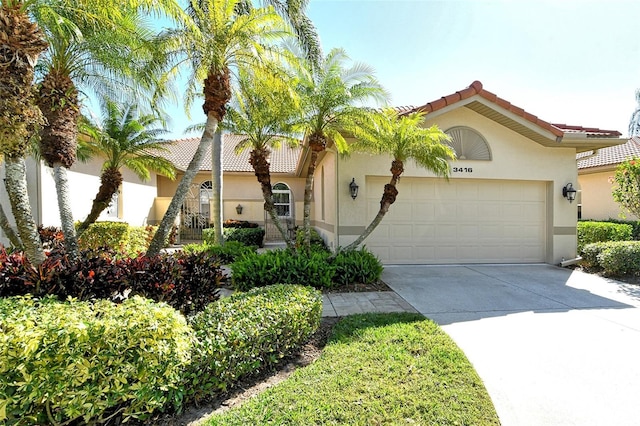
626 190
125 138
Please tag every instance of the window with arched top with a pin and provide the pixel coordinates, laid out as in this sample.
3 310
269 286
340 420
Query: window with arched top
206 192
468 144
282 199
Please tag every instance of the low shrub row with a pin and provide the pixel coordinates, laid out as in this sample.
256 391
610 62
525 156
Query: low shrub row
85 362
317 268
246 236
186 281
226 254
614 258
594 232
247 331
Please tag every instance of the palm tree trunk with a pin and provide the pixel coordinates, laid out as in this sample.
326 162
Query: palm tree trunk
258 159
8 230
158 241
216 184
64 206
308 192
16 185
110 181
388 198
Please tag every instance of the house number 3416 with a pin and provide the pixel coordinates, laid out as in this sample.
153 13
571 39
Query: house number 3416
463 170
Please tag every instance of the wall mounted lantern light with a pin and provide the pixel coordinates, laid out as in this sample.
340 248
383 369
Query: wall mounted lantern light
353 188
569 192
239 209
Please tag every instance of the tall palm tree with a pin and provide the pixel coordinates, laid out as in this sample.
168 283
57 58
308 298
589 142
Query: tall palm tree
332 100
264 110
634 122
404 139
22 43
125 139
93 53
216 39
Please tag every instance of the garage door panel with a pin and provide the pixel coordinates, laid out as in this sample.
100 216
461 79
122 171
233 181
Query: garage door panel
462 221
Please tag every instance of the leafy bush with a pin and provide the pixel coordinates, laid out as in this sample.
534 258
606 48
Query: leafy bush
316 239
247 236
114 235
83 362
232 223
187 282
356 266
226 254
621 258
139 239
51 237
316 268
593 232
244 332
635 224
626 190
283 267
590 253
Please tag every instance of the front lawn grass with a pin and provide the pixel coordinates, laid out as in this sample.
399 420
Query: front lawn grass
376 369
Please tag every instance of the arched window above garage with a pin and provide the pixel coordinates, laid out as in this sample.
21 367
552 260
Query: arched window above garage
468 144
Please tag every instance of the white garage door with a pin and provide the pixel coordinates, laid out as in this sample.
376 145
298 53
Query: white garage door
460 221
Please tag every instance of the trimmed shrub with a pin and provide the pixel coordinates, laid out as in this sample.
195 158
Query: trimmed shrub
247 236
226 254
232 223
593 232
114 235
356 266
242 333
315 238
139 239
283 267
635 224
621 258
590 253
84 362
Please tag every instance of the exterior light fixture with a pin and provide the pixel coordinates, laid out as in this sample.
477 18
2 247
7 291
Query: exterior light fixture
353 188
239 209
569 192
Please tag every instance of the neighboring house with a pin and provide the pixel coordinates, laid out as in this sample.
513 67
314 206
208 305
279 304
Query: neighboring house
595 173
502 204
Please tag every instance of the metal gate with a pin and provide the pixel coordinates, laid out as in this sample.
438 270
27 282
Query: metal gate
271 232
194 215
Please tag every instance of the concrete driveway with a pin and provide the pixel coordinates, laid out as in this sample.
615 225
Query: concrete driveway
553 346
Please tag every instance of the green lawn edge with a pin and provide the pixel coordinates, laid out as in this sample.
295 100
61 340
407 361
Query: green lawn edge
398 368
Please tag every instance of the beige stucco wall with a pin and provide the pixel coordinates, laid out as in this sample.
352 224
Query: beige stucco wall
513 157
595 197
242 189
324 210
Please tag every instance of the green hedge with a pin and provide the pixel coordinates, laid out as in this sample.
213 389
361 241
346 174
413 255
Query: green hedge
226 254
80 361
593 232
246 236
318 268
245 332
614 258
128 240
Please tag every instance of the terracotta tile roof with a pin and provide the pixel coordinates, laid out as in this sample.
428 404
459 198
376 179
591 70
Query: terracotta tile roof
283 160
476 89
609 156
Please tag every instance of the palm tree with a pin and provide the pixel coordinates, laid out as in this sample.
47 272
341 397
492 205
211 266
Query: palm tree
404 139
263 110
99 54
215 40
331 100
23 42
125 139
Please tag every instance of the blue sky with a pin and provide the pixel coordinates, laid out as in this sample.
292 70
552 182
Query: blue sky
567 61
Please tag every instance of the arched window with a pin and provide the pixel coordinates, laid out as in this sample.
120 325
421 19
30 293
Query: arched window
282 199
206 192
468 144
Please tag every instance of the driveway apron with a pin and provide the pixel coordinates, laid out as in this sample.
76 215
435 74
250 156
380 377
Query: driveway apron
553 346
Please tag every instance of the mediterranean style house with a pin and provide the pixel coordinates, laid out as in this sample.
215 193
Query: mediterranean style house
505 202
